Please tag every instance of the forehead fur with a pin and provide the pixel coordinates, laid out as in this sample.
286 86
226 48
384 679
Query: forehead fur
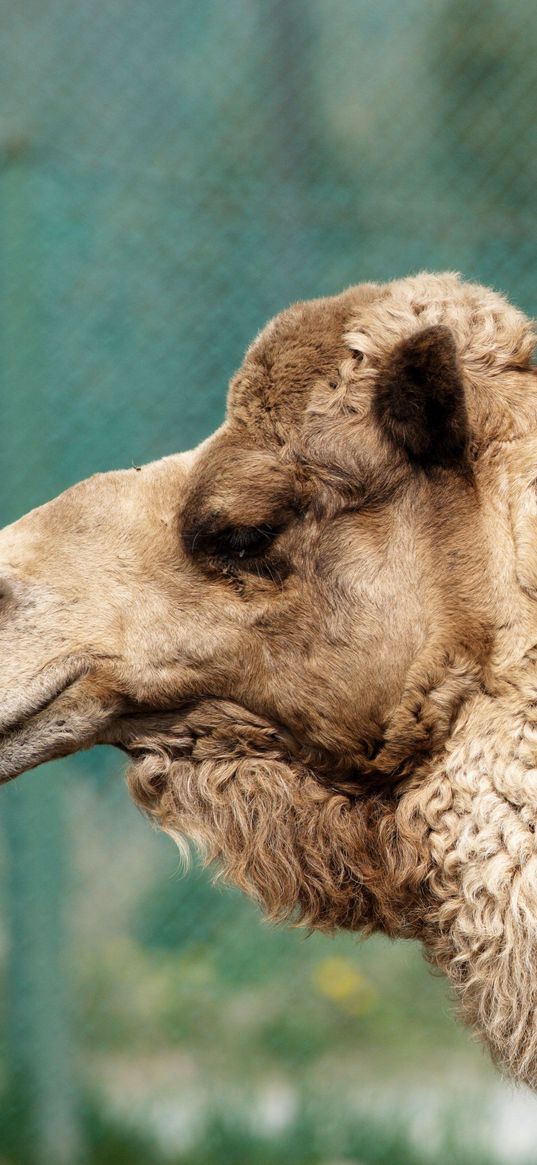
488 330
310 342
300 346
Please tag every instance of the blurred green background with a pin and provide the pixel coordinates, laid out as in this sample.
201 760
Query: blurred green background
172 173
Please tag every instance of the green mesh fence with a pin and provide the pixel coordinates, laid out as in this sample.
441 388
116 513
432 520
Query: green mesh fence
171 174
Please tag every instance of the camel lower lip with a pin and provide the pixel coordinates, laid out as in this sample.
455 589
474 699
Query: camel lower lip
27 735
39 692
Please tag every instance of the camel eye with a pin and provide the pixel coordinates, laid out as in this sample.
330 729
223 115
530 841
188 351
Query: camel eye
229 542
246 541
357 355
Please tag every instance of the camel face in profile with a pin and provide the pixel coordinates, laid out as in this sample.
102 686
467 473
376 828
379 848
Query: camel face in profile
315 634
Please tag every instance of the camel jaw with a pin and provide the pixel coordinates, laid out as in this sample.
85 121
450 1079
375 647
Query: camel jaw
52 715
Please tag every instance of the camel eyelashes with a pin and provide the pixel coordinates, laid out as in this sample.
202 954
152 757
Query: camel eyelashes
232 542
247 541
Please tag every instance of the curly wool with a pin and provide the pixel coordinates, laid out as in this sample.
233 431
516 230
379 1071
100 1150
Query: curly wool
493 338
478 816
304 852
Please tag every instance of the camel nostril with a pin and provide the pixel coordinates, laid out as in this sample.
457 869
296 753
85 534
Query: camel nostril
7 589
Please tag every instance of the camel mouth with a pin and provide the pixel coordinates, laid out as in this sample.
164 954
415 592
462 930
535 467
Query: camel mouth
41 690
37 724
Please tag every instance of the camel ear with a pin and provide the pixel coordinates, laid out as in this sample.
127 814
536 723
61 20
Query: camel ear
419 399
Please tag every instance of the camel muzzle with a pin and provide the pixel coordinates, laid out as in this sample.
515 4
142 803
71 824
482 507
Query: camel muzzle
84 619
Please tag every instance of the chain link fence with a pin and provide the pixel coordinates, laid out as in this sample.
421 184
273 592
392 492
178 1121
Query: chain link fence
172 174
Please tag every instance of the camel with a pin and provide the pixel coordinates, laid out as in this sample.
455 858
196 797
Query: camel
315 635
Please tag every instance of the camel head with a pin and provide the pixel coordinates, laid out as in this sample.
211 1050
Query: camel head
315 635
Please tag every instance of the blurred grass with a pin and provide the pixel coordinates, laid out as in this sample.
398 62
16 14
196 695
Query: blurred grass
192 1006
309 1140
195 966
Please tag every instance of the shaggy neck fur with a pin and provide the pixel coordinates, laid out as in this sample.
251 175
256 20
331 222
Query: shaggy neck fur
307 853
450 859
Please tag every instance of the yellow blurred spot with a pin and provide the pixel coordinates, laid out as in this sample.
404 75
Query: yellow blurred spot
345 985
